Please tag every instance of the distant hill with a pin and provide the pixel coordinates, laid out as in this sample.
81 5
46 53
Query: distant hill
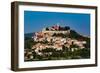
29 35
75 35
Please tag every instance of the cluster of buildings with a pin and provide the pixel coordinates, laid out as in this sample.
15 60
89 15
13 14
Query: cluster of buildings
55 42
57 28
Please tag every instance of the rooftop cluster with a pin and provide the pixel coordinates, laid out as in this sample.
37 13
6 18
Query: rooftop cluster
52 41
57 28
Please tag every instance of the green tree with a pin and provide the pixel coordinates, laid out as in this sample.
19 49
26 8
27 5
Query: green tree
85 53
47 28
66 27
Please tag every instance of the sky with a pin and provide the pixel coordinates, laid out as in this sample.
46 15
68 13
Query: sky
35 21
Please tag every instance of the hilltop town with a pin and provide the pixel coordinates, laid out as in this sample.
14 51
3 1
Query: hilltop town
55 43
